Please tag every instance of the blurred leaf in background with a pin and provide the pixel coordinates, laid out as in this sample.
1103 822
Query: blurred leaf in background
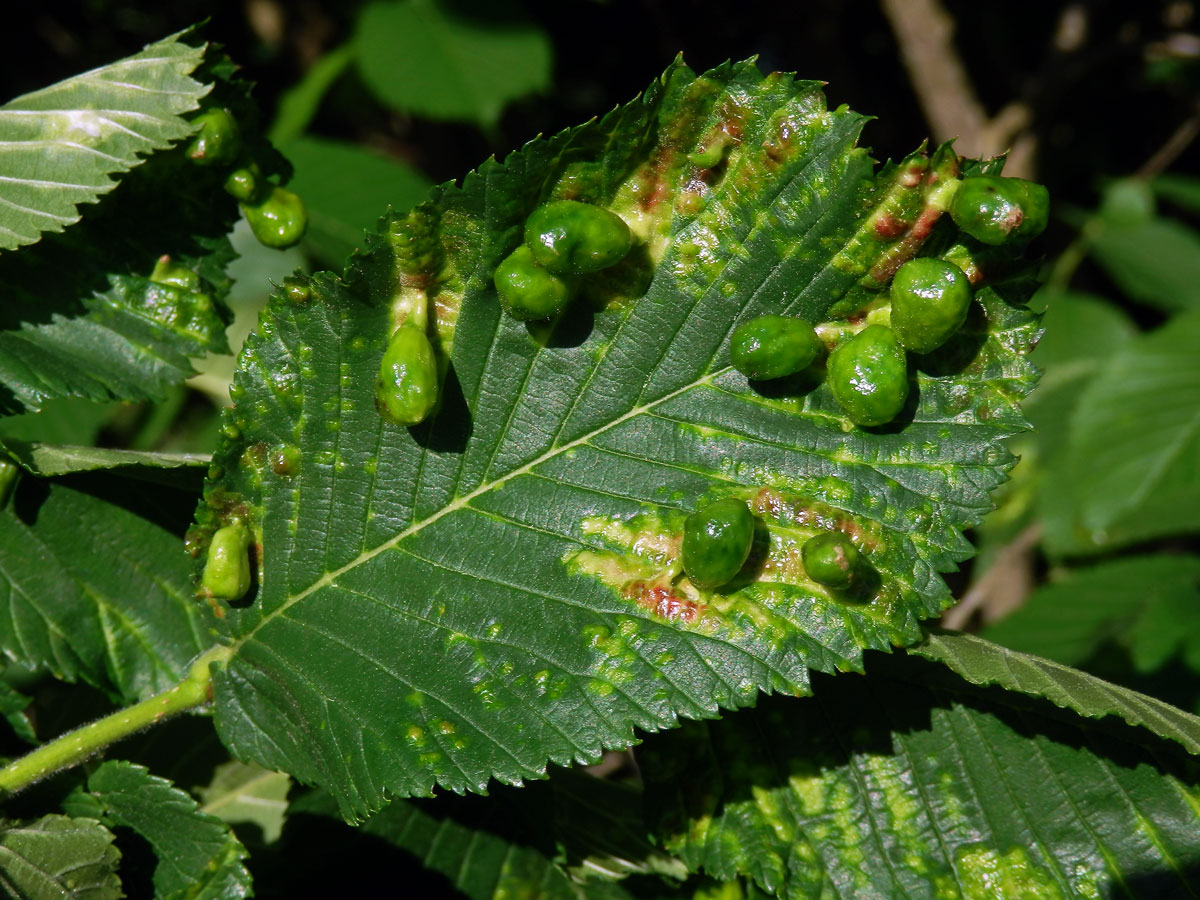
346 188
1154 259
1148 604
1131 468
461 61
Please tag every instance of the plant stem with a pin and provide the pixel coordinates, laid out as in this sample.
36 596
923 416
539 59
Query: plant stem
75 746
298 105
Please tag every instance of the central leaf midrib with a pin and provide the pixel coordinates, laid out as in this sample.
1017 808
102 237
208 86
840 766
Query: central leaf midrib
462 502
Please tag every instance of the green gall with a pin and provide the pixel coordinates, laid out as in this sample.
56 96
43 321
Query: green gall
285 461
868 375
279 221
227 568
569 238
997 210
218 140
175 275
244 183
716 541
930 300
830 559
712 153
773 347
527 291
296 289
406 390
416 244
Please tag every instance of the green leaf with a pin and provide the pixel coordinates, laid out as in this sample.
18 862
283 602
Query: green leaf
487 850
60 145
344 187
1082 334
1183 190
1130 472
55 459
82 316
245 792
983 662
59 422
57 857
1157 262
12 707
1150 604
298 105
93 590
505 576
198 856
440 60
912 783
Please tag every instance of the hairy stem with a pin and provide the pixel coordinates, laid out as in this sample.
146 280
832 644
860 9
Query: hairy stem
75 746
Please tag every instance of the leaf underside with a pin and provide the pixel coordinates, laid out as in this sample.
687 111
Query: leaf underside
912 783
498 588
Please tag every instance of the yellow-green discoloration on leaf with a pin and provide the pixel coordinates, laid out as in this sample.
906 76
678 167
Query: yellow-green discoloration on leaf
638 557
985 874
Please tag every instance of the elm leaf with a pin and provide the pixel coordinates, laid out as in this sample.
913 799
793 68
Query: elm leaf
503 579
59 146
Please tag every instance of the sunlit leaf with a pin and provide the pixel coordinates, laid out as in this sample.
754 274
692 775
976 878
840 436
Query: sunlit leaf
912 783
505 577
59 146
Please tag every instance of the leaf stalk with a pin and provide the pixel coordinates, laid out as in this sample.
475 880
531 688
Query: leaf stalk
75 746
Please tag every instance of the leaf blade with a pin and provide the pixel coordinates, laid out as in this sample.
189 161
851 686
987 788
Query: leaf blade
983 662
93 591
70 137
909 782
199 857
554 484
435 61
57 856
1129 472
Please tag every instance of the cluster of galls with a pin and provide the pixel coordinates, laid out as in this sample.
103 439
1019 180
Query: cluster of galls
564 239
717 539
868 372
276 215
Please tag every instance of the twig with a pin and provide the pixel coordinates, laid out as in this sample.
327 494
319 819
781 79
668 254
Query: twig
75 746
1182 138
925 33
1011 565
612 762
